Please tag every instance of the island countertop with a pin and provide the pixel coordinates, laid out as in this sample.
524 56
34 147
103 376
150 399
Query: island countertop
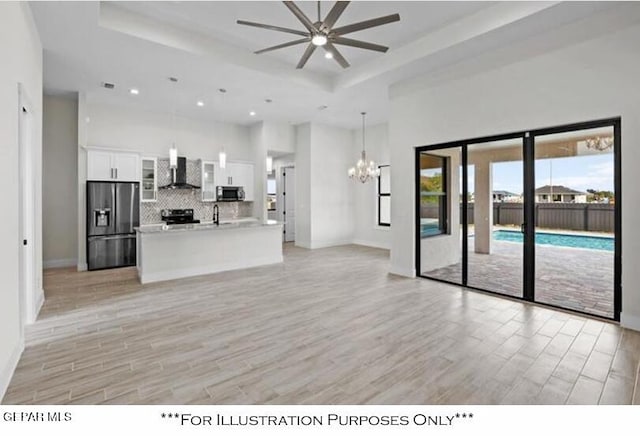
205 225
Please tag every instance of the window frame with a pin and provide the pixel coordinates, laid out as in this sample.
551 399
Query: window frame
443 199
383 194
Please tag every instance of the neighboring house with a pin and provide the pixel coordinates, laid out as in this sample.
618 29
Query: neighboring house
506 197
559 194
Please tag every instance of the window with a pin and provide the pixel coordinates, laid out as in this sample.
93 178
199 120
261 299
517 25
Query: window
384 196
433 195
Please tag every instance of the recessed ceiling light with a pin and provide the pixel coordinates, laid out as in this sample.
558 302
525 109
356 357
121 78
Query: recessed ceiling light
268 100
328 55
200 103
108 85
252 113
323 107
134 91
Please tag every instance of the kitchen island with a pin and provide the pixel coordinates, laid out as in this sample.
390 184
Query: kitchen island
177 251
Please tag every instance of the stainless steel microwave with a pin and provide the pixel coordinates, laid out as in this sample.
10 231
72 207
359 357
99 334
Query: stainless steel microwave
229 193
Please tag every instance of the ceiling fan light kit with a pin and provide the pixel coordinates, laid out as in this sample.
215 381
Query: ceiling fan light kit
322 33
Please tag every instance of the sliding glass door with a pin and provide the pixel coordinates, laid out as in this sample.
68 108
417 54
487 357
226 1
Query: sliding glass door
532 215
575 202
495 216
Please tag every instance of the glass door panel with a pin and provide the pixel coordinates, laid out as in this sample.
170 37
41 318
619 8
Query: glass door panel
149 179
440 183
495 185
575 220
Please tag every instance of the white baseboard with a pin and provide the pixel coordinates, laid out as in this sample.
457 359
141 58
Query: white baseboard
330 243
39 302
9 368
59 263
630 321
374 244
404 272
82 266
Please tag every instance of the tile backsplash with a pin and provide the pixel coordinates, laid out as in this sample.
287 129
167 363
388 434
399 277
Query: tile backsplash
188 199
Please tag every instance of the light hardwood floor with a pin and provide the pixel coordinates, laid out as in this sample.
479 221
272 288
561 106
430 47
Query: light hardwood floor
327 326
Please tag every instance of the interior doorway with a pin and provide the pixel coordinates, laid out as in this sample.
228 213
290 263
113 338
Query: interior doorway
533 215
289 203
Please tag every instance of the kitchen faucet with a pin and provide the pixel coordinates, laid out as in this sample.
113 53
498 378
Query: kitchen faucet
216 215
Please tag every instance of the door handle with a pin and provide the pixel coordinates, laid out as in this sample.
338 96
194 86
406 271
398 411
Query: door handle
522 227
116 172
113 238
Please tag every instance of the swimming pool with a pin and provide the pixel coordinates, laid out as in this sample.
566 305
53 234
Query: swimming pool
559 240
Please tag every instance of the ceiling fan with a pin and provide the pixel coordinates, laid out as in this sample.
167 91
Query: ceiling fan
322 33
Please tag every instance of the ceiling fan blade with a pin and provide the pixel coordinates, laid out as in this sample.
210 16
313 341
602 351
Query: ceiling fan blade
301 16
286 44
359 44
334 14
366 24
270 27
306 55
336 55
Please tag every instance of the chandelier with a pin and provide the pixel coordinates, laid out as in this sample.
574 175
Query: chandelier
364 170
598 143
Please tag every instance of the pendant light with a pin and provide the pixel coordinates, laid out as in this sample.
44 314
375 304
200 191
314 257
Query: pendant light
173 151
222 156
364 170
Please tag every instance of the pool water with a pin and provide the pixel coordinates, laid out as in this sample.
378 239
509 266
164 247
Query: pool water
559 240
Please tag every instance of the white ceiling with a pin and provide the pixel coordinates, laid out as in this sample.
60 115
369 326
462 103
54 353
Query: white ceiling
218 20
141 44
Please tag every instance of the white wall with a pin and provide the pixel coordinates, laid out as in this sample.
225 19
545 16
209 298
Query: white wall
592 80
332 206
259 147
365 201
21 54
153 133
280 137
303 185
59 181
324 193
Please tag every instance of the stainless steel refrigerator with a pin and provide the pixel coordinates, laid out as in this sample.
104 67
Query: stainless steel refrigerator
113 210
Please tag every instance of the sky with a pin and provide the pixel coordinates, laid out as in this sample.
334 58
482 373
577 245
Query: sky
578 172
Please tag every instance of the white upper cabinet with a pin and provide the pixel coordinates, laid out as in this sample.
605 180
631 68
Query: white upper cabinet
113 166
126 166
99 165
243 176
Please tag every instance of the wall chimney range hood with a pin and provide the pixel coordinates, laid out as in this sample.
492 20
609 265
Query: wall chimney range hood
179 177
